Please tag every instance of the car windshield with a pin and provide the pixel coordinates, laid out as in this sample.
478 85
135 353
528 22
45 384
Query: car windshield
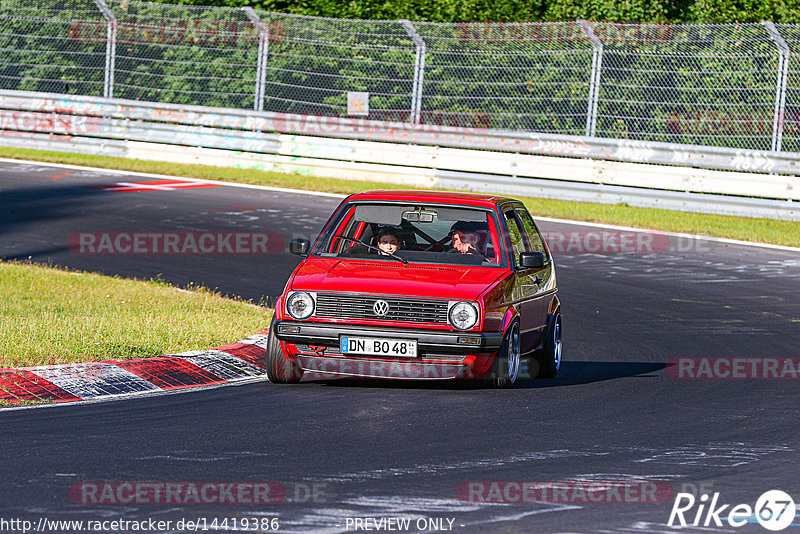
413 233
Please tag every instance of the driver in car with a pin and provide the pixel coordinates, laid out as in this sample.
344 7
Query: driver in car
465 238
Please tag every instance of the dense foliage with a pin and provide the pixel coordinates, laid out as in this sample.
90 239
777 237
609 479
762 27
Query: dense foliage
677 11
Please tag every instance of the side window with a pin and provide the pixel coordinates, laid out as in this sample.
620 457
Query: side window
530 233
350 228
514 232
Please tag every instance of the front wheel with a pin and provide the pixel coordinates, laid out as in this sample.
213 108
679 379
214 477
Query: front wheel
505 367
546 363
279 369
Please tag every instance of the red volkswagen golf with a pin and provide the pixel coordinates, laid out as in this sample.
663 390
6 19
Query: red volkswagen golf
420 285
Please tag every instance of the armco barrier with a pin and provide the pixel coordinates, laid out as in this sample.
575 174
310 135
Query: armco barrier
404 154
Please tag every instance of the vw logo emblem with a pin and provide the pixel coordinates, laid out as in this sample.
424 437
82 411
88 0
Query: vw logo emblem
381 307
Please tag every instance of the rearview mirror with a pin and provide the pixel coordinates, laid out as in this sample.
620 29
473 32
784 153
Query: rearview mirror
420 216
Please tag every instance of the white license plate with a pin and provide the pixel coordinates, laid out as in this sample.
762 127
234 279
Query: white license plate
378 346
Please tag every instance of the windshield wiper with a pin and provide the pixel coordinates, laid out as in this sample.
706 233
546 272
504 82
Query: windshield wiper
371 247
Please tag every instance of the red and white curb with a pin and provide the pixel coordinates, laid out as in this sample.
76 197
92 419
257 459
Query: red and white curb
90 381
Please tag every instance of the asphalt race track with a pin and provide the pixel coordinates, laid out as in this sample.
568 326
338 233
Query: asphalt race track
611 442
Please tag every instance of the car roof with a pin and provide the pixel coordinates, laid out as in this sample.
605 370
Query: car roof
474 199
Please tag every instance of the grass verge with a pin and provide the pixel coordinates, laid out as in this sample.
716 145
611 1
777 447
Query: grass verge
51 316
743 228
22 402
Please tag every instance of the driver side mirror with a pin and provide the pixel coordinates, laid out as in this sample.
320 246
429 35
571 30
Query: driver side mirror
299 246
532 260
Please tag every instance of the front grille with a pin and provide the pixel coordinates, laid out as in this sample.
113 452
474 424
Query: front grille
350 306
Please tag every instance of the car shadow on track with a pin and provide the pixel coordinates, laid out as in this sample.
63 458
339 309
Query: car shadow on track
575 373
571 374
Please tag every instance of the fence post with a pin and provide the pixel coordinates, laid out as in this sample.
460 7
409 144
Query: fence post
419 70
594 81
111 47
261 62
780 86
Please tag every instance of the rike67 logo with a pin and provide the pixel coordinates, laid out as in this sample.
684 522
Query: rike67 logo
774 510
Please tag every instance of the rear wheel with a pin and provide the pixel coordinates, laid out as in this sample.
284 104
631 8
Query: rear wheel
546 362
505 367
279 369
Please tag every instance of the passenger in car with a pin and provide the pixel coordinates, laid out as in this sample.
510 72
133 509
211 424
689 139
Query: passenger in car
388 240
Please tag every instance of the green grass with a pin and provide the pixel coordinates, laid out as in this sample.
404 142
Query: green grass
22 402
746 229
51 316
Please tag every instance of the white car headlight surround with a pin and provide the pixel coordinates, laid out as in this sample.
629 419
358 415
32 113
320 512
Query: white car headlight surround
300 305
463 315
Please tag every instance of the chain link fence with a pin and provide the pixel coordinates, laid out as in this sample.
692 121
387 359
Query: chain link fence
735 85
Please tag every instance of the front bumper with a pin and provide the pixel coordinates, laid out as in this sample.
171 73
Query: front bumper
428 341
323 367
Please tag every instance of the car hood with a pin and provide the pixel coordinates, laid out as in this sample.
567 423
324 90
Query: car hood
435 281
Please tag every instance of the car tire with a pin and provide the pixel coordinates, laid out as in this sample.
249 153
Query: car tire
280 370
546 362
505 367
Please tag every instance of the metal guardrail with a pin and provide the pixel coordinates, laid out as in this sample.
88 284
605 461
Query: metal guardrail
629 196
247 130
510 162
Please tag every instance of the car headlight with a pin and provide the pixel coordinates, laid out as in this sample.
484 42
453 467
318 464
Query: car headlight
463 315
300 305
